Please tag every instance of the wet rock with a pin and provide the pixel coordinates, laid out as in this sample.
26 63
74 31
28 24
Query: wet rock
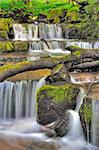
41 18
20 46
62 125
74 48
3 35
53 101
85 117
73 33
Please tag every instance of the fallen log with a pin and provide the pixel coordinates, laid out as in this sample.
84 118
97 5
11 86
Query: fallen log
87 65
8 71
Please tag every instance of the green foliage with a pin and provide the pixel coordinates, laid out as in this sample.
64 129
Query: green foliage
37 7
89 21
6 24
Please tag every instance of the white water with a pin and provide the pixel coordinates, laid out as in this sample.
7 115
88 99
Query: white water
14 93
29 132
80 99
44 37
74 140
85 45
37 31
18 100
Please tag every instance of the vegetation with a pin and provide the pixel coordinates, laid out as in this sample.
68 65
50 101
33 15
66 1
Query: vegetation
86 111
90 20
19 65
60 93
6 47
36 6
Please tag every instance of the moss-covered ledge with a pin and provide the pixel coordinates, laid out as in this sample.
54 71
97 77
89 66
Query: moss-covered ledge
6 46
20 46
53 101
13 46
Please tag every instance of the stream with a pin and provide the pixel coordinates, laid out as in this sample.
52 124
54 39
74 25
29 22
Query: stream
18 127
17 124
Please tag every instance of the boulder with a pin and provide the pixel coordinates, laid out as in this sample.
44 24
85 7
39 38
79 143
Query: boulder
53 101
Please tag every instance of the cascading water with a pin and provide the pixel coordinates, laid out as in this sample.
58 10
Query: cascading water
37 31
28 131
43 38
74 140
18 100
47 36
23 33
85 45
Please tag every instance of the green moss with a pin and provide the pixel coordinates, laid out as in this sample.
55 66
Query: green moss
57 68
78 53
68 57
8 67
20 46
87 111
59 93
6 47
3 35
6 24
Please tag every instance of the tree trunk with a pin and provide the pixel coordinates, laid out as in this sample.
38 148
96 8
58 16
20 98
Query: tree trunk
27 2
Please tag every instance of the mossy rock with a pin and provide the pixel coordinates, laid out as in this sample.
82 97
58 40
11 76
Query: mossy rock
53 101
74 48
86 117
6 47
20 46
3 35
6 23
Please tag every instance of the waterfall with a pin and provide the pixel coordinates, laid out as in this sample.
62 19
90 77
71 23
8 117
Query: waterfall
37 31
74 125
37 45
46 45
85 45
20 32
18 100
95 122
80 99
74 139
40 36
43 36
50 31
